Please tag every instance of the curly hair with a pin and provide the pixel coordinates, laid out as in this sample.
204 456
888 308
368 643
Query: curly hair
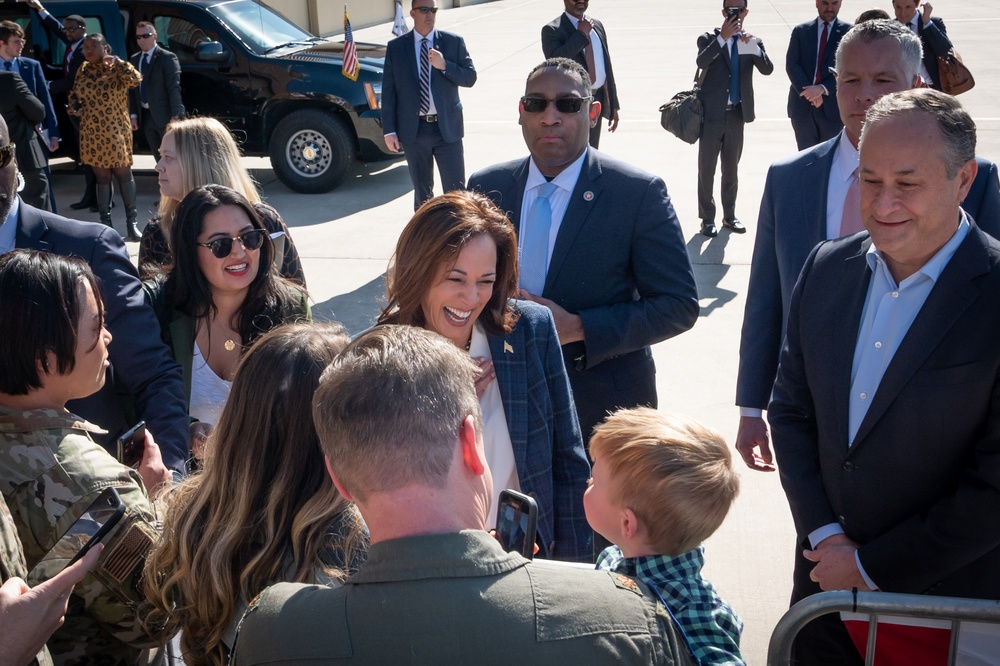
263 510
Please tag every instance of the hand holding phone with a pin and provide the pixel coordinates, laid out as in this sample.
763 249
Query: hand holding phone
517 522
131 445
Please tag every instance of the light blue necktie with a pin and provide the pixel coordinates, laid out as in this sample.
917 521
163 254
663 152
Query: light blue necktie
535 245
734 74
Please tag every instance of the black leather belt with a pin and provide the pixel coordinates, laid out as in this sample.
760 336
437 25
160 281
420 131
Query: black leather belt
429 119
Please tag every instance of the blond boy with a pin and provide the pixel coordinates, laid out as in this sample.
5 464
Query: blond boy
661 485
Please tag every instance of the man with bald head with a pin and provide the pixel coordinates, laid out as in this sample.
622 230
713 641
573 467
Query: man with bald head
806 201
885 408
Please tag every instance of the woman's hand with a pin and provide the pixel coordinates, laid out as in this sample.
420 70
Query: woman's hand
199 435
155 476
486 374
109 61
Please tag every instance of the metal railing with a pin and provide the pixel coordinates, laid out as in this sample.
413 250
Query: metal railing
874 604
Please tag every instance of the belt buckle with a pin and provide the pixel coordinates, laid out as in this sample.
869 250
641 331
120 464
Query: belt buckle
431 118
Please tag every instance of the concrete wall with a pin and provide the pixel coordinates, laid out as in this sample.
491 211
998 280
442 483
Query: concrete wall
326 17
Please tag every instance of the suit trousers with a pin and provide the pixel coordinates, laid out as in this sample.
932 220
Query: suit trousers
428 147
813 127
36 188
725 137
153 134
600 95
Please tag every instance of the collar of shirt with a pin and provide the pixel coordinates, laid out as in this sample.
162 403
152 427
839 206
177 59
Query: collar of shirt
572 19
12 420
846 158
565 183
13 64
146 54
656 569
8 229
417 38
932 269
845 161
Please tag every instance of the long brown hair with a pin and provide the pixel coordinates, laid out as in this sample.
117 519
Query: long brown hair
264 509
435 235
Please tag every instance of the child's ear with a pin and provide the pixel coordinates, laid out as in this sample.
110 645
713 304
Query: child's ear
630 526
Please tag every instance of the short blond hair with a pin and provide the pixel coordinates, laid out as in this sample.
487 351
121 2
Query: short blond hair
674 473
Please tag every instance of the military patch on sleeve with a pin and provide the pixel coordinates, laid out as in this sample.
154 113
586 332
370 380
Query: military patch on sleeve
128 554
623 582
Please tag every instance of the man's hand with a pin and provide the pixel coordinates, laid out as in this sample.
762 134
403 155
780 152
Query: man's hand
436 59
613 123
730 27
569 326
53 145
155 476
486 374
135 123
925 14
391 142
585 26
836 567
36 5
30 615
813 94
753 444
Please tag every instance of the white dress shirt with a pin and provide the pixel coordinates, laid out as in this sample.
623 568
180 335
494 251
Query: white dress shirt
600 73
8 230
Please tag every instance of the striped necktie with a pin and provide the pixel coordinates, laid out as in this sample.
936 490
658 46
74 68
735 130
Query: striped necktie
425 78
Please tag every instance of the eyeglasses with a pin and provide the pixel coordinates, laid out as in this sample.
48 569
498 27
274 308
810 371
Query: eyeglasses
426 10
146 35
223 247
73 28
563 104
6 154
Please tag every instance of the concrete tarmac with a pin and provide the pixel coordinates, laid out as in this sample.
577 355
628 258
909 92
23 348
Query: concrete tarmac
346 237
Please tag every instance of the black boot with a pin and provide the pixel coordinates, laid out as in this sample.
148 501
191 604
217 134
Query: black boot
104 203
89 199
128 198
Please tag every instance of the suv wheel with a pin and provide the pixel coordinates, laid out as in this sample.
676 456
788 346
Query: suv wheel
311 151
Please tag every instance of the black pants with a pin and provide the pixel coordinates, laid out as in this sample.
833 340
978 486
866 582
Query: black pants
813 126
726 137
600 95
430 147
154 134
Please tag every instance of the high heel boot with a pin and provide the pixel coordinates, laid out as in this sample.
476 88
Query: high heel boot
128 198
104 203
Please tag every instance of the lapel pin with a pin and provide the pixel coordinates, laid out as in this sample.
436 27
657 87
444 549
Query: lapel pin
507 349
588 196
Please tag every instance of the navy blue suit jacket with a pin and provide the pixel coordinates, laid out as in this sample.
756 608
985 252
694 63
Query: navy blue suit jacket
714 60
800 65
31 72
620 263
934 39
401 86
560 39
791 222
919 487
64 85
141 367
544 431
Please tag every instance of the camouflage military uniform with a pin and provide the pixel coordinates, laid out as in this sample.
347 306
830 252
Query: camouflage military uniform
12 561
50 472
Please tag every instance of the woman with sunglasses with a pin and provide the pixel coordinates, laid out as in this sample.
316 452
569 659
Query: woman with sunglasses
100 98
195 152
455 273
220 293
263 510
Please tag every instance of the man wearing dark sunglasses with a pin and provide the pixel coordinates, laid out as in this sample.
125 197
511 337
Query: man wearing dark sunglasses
157 100
145 382
421 112
599 244
583 39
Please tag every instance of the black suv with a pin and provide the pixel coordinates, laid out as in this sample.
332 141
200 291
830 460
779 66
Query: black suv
278 88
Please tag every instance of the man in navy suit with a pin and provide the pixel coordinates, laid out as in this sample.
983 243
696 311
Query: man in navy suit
145 379
885 407
812 97
583 39
613 266
932 33
804 203
36 173
421 112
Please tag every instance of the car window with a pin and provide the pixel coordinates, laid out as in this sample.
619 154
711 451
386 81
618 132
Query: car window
181 36
260 27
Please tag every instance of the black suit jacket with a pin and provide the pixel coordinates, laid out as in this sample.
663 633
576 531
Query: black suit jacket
162 84
919 488
714 59
800 65
64 85
561 40
934 38
22 111
619 262
142 370
401 86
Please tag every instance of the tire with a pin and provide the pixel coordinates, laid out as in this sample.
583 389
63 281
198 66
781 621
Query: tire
311 151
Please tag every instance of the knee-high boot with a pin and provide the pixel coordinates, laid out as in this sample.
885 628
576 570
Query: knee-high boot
128 198
104 203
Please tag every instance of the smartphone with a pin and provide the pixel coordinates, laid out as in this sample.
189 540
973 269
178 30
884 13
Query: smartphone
517 522
132 444
732 12
100 517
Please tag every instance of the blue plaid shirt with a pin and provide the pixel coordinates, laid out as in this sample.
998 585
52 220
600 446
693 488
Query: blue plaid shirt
711 626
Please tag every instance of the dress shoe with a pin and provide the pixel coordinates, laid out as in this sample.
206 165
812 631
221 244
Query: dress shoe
735 226
708 229
85 202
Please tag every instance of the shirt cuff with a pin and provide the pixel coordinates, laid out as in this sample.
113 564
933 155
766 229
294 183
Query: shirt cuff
868 581
722 42
817 536
752 412
825 91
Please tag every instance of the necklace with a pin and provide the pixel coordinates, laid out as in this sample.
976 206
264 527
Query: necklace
230 345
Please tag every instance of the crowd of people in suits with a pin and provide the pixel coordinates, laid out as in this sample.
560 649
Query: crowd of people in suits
521 306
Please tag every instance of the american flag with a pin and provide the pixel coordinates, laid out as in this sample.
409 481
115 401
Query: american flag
350 67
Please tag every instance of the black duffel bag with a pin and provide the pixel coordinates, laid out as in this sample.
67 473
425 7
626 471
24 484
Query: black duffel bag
682 115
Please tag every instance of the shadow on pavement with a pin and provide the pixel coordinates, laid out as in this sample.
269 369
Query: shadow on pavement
356 310
707 256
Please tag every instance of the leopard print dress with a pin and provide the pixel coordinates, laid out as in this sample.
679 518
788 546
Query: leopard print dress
105 127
